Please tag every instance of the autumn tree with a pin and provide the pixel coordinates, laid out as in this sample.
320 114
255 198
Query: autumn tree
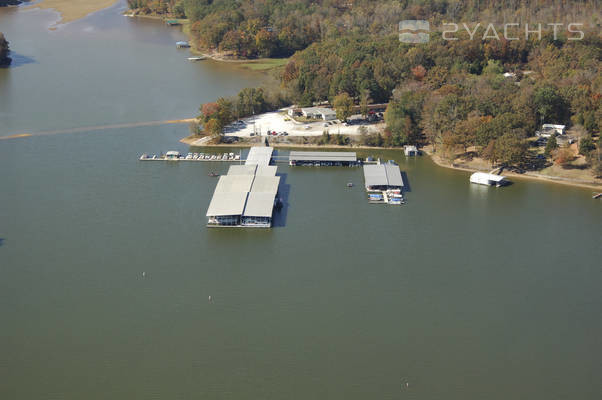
343 105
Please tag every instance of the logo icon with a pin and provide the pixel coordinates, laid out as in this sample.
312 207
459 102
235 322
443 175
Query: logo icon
414 31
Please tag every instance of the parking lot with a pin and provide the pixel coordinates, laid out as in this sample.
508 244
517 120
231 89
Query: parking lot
283 125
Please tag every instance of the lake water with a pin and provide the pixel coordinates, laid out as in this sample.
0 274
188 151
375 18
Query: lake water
466 292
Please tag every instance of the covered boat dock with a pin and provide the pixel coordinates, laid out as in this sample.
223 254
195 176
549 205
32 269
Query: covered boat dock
382 177
322 158
247 195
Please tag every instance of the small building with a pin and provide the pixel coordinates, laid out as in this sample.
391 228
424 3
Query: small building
322 158
549 130
410 150
483 178
327 114
294 112
382 177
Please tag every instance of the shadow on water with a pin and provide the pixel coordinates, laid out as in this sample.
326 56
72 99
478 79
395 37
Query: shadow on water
283 192
406 182
19 60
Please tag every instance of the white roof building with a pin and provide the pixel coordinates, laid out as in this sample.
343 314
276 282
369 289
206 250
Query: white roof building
483 178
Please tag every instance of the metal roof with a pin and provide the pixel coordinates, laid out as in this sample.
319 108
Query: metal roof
375 175
234 183
259 156
259 205
227 203
393 175
242 170
322 156
266 184
382 175
266 170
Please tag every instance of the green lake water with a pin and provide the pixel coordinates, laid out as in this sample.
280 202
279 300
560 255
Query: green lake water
466 292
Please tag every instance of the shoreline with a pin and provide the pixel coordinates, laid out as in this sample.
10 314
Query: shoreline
207 53
527 176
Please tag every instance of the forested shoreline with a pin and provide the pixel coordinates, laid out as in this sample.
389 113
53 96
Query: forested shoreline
481 94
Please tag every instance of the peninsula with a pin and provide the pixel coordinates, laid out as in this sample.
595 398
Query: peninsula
72 10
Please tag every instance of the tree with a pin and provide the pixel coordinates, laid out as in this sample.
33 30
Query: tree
512 147
5 60
490 152
563 156
586 145
590 122
343 104
364 101
208 110
550 105
551 145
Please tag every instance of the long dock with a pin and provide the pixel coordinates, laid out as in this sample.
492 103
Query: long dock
193 157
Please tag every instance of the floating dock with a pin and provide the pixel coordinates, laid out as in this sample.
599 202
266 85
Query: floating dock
176 156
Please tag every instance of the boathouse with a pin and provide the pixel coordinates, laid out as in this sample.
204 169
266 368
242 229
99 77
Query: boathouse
483 178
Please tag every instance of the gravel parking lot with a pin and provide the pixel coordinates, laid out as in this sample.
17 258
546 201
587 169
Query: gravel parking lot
275 121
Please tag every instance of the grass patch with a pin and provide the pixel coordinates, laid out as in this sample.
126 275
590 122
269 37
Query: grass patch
265 64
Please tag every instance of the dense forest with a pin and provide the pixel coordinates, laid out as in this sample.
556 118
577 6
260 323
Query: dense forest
278 28
485 90
5 60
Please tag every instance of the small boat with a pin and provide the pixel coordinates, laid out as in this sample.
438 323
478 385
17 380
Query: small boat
350 184
196 58
597 196
213 174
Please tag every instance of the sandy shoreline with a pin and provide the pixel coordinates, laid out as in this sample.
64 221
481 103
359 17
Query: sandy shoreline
72 10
